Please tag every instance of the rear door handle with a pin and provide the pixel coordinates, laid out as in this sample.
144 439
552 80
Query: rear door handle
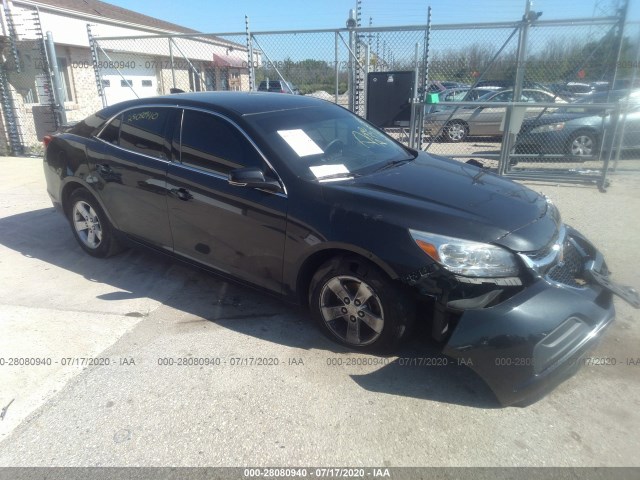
181 193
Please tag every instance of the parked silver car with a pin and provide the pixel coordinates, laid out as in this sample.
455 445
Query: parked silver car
482 120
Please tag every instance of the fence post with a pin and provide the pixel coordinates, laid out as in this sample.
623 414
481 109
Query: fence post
252 79
507 136
623 20
337 67
351 23
94 58
424 84
414 100
173 72
57 91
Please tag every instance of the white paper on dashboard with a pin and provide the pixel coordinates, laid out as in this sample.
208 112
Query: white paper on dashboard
301 143
321 171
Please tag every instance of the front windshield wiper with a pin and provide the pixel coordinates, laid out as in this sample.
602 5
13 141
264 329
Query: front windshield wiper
341 175
394 163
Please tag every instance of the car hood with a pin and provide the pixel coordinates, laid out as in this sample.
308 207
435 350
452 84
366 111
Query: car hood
443 196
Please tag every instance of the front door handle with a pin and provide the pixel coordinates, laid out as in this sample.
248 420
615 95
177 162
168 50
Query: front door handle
181 193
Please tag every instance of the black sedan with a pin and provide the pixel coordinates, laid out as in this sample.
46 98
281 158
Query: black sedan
576 132
302 198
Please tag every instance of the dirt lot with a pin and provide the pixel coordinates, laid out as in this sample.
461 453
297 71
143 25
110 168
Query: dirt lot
139 311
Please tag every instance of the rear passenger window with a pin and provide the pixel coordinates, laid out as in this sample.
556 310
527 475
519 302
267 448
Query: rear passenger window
142 131
112 131
212 143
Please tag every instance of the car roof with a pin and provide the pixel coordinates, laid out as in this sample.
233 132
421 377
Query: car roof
240 103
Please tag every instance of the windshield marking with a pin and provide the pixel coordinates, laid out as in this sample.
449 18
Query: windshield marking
366 139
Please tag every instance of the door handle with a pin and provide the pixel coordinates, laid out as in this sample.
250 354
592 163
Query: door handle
181 193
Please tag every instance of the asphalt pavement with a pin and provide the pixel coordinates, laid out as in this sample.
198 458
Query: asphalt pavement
140 361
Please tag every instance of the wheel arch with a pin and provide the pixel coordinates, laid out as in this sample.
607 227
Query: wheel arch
74 184
312 263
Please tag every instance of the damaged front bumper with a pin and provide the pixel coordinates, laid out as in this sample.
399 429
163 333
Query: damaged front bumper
530 342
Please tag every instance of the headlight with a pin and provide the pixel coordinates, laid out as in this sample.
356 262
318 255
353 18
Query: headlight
554 127
465 257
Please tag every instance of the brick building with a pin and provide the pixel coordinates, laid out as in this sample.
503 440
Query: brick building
128 67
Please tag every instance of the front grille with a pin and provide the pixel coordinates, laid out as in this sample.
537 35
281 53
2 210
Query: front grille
569 270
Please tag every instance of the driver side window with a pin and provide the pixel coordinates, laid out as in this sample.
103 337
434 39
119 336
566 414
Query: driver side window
211 143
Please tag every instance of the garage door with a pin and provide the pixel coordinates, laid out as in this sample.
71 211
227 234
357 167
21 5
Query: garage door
126 74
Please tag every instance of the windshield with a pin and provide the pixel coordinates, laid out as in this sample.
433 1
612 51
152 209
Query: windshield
327 141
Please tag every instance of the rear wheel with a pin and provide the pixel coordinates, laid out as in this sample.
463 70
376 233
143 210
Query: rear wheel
456 131
90 225
582 144
355 304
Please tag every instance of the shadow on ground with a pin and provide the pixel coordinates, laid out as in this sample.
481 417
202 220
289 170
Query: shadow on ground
45 235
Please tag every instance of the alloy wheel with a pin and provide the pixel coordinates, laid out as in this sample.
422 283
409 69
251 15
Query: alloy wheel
351 310
582 146
87 224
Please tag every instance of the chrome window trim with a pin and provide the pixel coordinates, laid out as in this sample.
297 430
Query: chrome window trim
222 177
198 109
112 118
163 160
244 134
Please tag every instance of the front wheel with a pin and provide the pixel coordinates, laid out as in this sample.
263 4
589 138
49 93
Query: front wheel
356 305
90 225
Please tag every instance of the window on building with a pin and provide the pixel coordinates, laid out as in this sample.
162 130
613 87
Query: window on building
65 79
106 83
142 131
147 83
126 83
211 143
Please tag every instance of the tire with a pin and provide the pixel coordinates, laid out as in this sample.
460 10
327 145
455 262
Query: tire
357 305
90 226
582 144
456 131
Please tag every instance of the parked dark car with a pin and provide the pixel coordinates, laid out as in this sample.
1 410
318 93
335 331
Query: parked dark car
278 86
576 131
437 86
302 198
571 91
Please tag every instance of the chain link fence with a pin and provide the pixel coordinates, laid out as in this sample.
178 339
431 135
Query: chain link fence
548 100
26 99
558 88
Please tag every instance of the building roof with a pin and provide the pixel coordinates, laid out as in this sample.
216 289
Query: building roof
111 12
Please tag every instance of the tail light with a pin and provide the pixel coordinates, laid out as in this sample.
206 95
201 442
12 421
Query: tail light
46 140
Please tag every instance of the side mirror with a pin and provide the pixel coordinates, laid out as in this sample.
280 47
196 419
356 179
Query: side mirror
253 177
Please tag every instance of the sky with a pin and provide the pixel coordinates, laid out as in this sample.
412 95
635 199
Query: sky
216 16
